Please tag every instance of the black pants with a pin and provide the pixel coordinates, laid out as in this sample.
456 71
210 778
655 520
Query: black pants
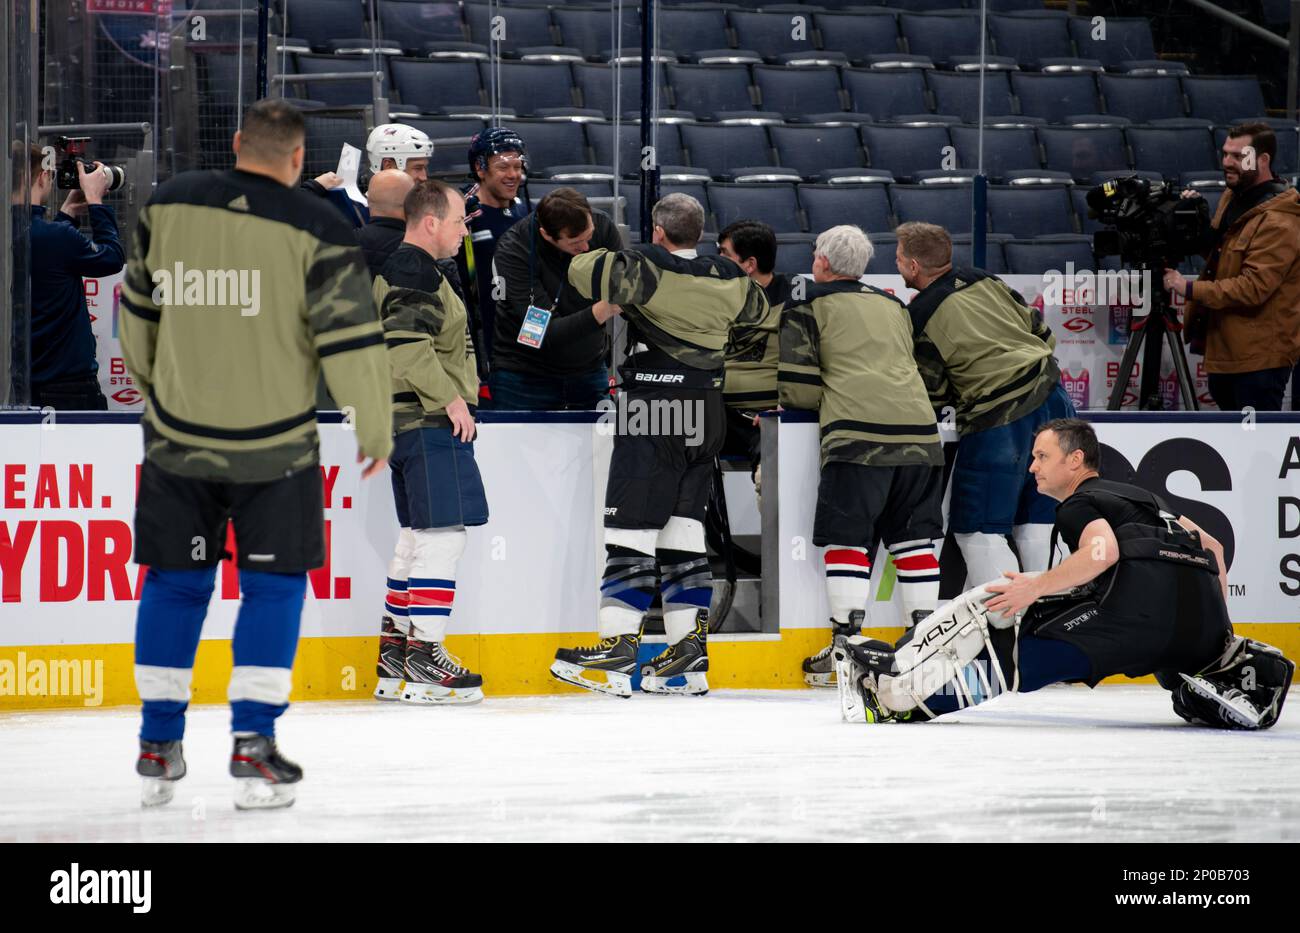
1261 390
81 394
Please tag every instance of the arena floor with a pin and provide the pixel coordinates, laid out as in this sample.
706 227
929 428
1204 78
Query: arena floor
1066 764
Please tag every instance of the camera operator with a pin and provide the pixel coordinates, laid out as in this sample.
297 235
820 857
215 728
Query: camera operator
550 340
1243 313
63 347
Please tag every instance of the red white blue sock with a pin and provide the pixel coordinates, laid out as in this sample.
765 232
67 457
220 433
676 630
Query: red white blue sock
918 576
848 580
431 587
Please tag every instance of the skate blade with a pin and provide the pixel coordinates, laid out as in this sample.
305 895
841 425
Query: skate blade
261 794
434 695
389 688
1246 716
852 708
820 680
156 792
610 683
697 684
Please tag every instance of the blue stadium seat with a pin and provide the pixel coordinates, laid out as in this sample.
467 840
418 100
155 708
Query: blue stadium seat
348 93
885 94
326 133
793 91
697 190
1172 150
526 87
601 137
721 149
884 249
1055 96
1005 148
941 36
707 89
596 85
1126 40
1030 210
413 24
692 29
858 35
538 189
1287 143
963 249
772 34
957 94
773 204
813 149
905 149
1083 151
1142 99
449 157
946 205
1048 253
794 253
1031 37
1224 99
588 28
552 142
865 206
525 27
1079 201
319 21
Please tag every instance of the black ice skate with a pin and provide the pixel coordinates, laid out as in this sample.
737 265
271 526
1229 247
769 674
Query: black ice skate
858 661
435 677
391 667
819 670
688 659
605 667
161 765
264 779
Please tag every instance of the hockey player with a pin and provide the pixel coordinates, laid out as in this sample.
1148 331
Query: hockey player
987 356
1143 592
686 310
436 484
230 431
846 351
396 145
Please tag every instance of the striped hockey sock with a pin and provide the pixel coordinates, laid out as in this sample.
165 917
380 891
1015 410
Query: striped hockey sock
848 580
918 577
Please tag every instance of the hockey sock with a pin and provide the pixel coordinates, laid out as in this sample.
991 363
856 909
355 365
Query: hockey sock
431 587
399 569
167 628
918 576
848 580
685 578
628 586
987 557
1033 542
265 642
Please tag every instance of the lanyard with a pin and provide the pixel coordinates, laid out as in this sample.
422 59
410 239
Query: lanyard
532 262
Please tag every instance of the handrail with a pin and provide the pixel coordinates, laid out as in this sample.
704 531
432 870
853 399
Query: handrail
1241 23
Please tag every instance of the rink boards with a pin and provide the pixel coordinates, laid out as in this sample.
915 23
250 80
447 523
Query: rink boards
528 581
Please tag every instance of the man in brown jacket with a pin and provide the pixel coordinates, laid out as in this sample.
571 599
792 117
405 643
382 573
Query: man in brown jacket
1247 302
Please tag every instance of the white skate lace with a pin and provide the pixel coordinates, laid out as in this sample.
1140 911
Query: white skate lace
448 661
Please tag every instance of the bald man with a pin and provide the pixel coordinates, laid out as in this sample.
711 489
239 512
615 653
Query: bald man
383 234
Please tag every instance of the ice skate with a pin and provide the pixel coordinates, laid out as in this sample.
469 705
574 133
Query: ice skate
435 677
819 670
390 670
160 765
856 659
264 779
1233 706
687 660
605 667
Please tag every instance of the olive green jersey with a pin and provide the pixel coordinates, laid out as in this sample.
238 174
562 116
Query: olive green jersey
751 372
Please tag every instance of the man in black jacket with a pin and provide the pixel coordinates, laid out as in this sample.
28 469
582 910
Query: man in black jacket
381 236
549 341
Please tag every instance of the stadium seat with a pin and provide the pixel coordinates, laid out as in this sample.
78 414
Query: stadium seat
349 93
723 148
773 204
696 190
963 250
946 205
858 35
539 188
813 149
687 30
1031 37
706 89
319 21
601 137
1224 99
905 149
1030 210
885 94
772 35
1126 40
411 24
1055 96
865 206
1142 99
787 90
1005 149
1172 150
525 27
1083 151
552 142
588 28
448 158
326 134
884 248
794 253
527 86
1079 201
957 94
941 36
1049 253
595 84
1286 133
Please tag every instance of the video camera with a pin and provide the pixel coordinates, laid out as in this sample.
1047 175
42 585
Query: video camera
1154 225
70 150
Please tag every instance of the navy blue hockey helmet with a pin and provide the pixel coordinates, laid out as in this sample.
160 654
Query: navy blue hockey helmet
487 143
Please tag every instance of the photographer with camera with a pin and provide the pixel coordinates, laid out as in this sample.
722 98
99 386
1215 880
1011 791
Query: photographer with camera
64 367
1243 313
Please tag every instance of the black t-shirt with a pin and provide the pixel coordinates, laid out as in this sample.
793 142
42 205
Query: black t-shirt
1090 502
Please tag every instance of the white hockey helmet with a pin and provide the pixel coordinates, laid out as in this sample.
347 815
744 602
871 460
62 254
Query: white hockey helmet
398 142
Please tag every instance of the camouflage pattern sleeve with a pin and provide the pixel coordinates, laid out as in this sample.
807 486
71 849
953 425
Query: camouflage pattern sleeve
798 374
412 321
139 326
623 277
349 341
934 373
750 329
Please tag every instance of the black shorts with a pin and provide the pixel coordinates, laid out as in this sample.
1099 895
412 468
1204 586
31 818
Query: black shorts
859 505
653 477
743 438
180 523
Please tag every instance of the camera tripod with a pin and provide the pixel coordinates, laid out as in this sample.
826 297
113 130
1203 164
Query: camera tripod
1159 322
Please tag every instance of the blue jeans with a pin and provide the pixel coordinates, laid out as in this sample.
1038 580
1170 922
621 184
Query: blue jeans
513 391
1261 390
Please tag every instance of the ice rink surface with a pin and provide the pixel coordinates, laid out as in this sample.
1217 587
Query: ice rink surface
1065 764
